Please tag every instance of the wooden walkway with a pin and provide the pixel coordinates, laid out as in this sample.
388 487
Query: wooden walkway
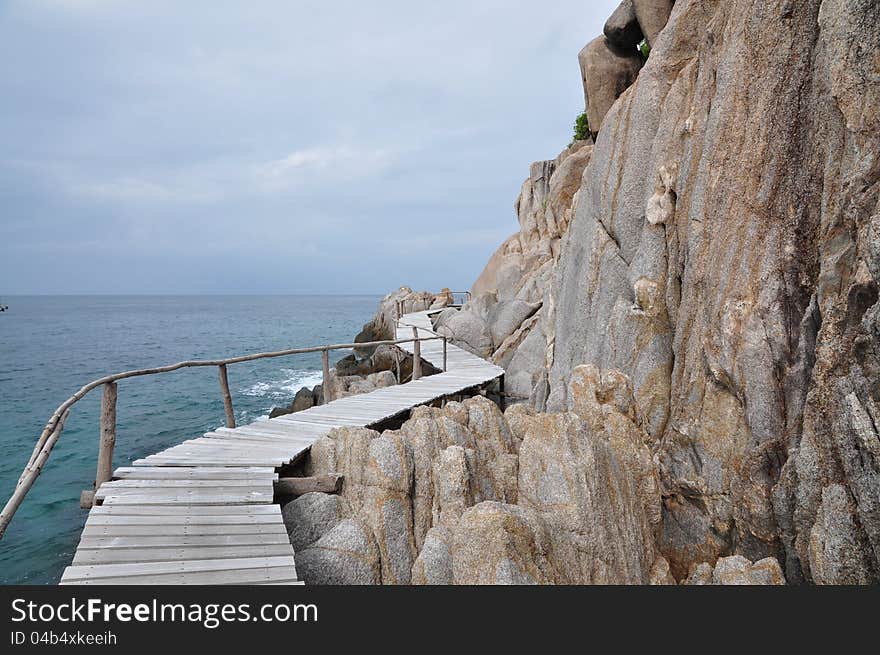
202 512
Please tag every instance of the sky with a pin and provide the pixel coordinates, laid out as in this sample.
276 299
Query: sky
214 146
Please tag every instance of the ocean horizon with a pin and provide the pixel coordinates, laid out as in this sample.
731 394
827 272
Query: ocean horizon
52 344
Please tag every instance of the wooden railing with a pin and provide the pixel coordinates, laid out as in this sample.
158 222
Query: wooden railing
107 436
400 305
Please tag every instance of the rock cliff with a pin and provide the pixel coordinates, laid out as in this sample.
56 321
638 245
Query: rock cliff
718 246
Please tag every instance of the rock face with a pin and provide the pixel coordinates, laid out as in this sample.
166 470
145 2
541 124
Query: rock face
606 72
724 256
721 251
504 321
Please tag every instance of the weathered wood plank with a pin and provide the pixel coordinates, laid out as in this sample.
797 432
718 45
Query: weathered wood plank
134 483
173 541
192 566
195 473
119 556
167 530
242 519
276 575
186 510
189 498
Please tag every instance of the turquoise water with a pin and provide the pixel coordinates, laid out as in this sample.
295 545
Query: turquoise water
51 346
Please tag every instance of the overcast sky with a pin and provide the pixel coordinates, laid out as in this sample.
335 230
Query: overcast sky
274 147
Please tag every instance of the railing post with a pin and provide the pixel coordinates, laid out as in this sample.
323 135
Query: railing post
108 434
227 397
106 443
444 353
326 384
417 355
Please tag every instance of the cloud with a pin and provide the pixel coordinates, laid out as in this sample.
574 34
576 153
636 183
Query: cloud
331 164
313 131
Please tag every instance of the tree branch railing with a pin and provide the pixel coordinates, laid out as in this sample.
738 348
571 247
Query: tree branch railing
107 435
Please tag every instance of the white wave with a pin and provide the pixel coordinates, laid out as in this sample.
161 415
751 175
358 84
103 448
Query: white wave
286 386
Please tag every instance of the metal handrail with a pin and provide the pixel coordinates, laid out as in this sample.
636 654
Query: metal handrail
52 432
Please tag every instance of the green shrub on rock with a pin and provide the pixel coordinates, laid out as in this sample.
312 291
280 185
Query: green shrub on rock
581 128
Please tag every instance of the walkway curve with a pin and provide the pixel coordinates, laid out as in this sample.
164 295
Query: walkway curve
202 512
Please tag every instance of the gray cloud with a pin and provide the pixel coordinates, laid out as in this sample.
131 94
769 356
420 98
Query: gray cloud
214 146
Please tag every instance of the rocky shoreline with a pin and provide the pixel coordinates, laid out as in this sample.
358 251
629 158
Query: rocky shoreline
688 317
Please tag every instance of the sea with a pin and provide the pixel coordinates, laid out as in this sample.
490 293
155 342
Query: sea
52 345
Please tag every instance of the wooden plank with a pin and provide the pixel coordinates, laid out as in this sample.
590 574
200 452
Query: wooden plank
186 510
191 566
262 438
276 575
119 556
189 499
173 541
154 460
284 582
241 519
134 483
194 492
164 473
180 530
202 444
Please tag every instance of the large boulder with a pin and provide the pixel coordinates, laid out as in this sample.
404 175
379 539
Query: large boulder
378 479
310 516
469 327
479 429
403 483
591 503
507 316
344 555
606 72
496 543
622 28
433 566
